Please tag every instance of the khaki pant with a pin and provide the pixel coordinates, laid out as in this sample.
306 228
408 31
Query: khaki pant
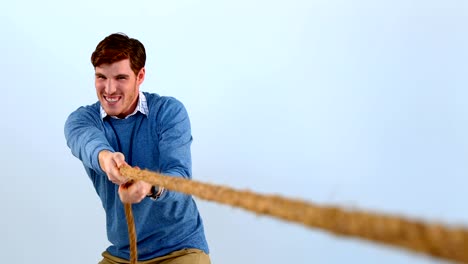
185 256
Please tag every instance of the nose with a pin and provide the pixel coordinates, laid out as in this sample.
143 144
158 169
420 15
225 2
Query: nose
111 87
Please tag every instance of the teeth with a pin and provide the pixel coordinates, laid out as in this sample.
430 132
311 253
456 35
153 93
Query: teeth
112 99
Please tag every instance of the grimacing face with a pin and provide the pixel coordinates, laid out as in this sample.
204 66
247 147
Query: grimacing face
117 87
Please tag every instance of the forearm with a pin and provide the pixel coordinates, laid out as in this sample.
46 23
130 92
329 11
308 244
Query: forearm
85 140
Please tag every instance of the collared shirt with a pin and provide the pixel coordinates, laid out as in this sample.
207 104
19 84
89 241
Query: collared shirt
142 106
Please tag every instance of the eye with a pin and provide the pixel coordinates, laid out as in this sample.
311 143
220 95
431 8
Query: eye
121 78
100 77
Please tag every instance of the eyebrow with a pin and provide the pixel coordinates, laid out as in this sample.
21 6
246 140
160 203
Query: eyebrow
122 75
98 74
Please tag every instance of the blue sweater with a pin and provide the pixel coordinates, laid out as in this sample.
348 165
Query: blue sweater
157 142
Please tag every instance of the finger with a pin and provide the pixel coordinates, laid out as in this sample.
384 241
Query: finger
119 159
137 192
121 193
118 179
115 181
115 176
126 195
127 184
141 199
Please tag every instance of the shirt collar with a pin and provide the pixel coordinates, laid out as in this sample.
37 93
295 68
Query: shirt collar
142 106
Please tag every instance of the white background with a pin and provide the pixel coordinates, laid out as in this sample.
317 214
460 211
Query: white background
360 104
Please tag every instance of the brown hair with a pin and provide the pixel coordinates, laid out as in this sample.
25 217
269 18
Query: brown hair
117 47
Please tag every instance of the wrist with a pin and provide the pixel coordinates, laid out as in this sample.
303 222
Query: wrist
101 157
155 192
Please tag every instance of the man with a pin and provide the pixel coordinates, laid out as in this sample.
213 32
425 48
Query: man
144 130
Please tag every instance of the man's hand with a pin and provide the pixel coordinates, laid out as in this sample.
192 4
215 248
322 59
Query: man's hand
134 192
110 163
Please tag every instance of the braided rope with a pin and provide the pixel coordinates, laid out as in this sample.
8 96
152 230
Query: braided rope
131 233
431 239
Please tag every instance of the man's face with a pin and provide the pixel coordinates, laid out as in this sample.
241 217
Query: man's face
117 87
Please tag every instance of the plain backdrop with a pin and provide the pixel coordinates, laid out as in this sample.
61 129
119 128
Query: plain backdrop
360 104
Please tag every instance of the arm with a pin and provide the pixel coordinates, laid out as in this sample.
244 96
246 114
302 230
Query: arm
175 139
86 139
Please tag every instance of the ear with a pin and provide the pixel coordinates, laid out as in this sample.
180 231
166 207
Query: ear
141 76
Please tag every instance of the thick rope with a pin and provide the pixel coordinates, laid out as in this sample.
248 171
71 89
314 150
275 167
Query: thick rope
432 239
131 233
131 227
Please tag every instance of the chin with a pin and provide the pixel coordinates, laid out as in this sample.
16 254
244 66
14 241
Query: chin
111 112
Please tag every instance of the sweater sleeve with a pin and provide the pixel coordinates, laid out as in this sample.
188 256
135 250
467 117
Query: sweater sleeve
85 137
175 139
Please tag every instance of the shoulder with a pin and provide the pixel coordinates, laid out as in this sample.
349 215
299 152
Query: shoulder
87 112
158 105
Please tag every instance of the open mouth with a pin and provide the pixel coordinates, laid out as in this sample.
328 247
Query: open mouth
112 99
